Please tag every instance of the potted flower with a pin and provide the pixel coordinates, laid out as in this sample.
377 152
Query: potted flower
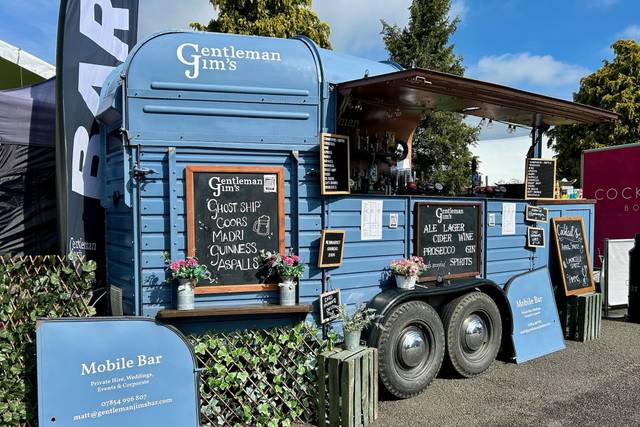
186 272
407 270
289 270
353 323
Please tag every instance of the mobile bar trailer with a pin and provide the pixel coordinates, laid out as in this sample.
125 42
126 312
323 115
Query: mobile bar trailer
220 145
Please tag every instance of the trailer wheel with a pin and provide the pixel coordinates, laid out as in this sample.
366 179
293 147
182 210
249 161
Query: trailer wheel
411 348
474 332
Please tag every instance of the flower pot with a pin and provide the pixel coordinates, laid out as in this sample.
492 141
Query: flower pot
185 294
352 339
287 291
406 282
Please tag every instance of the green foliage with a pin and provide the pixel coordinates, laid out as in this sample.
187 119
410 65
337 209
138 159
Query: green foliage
358 319
441 142
259 377
272 18
30 288
285 266
186 268
616 87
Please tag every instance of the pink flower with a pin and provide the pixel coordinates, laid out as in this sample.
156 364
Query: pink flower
296 258
182 263
192 262
174 266
288 260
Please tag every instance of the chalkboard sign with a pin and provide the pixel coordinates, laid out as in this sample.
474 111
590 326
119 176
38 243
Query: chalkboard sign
334 164
535 237
233 212
447 236
329 306
573 255
540 179
331 248
536 214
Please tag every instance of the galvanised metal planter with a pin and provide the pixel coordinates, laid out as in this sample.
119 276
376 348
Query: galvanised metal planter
186 296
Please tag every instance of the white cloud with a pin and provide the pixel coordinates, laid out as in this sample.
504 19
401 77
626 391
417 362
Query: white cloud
502 160
356 28
170 14
459 9
524 68
631 32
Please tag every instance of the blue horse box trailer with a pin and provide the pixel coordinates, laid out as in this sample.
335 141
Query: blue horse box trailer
190 116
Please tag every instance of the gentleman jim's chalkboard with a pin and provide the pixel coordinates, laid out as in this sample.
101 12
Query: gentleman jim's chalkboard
539 179
233 212
573 255
447 236
331 248
334 164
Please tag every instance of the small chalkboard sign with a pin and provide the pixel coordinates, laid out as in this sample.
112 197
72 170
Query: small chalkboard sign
540 179
536 214
334 164
448 236
234 212
535 237
329 306
331 248
573 255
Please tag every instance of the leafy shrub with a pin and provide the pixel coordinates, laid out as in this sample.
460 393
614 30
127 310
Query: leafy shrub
259 377
33 287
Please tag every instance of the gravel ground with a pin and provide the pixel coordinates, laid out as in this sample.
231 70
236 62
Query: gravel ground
591 384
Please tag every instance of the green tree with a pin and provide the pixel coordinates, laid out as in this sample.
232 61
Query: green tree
441 141
616 87
273 18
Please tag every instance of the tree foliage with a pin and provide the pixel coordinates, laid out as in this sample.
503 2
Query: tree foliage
616 87
272 18
441 142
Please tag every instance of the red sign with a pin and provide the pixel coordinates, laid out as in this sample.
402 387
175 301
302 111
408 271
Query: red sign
612 177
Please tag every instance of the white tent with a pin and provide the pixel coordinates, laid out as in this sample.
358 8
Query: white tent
19 68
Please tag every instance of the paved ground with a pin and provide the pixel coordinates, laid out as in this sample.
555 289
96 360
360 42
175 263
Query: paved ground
595 384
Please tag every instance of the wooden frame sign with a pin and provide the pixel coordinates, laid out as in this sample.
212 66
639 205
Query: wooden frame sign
449 238
573 255
331 248
536 214
335 164
234 212
540 179
329 306
535 237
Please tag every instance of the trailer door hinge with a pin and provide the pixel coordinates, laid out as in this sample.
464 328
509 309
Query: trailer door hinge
140 172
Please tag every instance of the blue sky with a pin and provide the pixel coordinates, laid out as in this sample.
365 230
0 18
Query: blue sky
545 46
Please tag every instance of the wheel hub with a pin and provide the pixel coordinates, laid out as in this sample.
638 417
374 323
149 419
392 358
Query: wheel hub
412 347
475 332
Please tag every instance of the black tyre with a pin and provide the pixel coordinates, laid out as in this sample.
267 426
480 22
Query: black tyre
411 348
474 333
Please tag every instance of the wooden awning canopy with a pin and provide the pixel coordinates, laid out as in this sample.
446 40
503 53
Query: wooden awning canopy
415 91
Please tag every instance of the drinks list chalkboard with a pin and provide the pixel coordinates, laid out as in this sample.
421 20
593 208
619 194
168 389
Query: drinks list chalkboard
329 306
233 212
535 237
447 236
334 164
573 255
536 214
540 178
331 248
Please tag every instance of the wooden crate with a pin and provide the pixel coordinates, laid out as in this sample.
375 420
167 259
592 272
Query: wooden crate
348 387
581 317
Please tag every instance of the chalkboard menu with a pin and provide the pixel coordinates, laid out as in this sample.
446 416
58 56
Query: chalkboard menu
540 179
329 306
447 236
334 164
233 212
535 237
573 255
536 214
331 248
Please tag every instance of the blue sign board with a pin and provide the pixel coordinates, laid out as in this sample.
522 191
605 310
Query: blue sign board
115 372
536 325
